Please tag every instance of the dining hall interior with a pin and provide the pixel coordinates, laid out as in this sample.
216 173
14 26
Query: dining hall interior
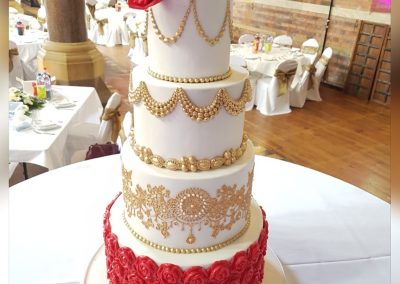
317 113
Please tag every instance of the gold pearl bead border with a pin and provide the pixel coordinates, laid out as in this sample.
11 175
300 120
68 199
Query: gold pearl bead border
183 250
192 80
222 99
190 163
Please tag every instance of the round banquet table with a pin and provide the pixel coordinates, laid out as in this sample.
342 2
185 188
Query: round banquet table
322 229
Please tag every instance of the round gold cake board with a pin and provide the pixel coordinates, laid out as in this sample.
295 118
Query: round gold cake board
96 271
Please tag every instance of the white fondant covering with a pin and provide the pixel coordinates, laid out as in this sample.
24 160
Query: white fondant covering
190 55
177 181
125 239
177 135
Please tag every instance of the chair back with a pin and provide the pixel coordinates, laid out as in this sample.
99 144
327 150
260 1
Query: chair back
283 40
15 66
309 48
110 121
237 60
245 38
322 63
283 77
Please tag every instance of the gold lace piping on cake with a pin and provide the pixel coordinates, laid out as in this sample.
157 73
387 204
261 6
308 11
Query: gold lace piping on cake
161 109
199 28
191 207
182 250
206 79
190 163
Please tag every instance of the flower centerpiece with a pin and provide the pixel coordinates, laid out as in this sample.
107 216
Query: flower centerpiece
142 4
32 102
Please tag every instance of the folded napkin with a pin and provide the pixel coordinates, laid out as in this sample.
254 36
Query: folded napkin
20 120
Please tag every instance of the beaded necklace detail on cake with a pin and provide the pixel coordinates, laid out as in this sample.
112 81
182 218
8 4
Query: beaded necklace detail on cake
190 163
196 80
199 28
189 208
162 109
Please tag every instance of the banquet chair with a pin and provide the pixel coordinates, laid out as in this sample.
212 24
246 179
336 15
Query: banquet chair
82 135
283 40
299 85
272 96
14 66
313 92
309 48
245 38
237 60
117 29
98 27
126 127
136 25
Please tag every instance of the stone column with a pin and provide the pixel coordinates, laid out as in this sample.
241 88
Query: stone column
68 54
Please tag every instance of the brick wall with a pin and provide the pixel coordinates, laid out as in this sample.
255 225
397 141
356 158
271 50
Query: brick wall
257 17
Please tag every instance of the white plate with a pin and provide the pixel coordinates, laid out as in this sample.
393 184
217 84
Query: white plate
96 272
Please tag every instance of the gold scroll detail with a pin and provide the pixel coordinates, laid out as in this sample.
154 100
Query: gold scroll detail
196 80
192 5
190 163
161 109
190 208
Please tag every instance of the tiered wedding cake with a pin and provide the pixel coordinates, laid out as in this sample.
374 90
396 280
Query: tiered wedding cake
186 214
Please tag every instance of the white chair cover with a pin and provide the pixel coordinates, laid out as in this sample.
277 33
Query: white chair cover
313 94
244 38
267 93
136 26
309 48
127 125
283 40
83 135
94 33
16 71
298 90
117 29
12 10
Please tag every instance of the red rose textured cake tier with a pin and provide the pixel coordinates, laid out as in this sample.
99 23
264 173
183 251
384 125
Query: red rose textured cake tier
186 213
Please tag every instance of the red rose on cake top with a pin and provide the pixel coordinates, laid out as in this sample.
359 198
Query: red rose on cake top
142 4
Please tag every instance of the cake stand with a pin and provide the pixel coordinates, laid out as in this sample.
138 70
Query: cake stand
96 271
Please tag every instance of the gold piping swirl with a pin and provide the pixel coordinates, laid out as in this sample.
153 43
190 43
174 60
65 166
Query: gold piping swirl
161 109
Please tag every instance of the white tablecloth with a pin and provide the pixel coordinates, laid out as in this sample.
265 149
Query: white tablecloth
265 63
49 150
322 229
28 46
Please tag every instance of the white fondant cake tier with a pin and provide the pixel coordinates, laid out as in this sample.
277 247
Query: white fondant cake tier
176 135
187 210
190 55
125 239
